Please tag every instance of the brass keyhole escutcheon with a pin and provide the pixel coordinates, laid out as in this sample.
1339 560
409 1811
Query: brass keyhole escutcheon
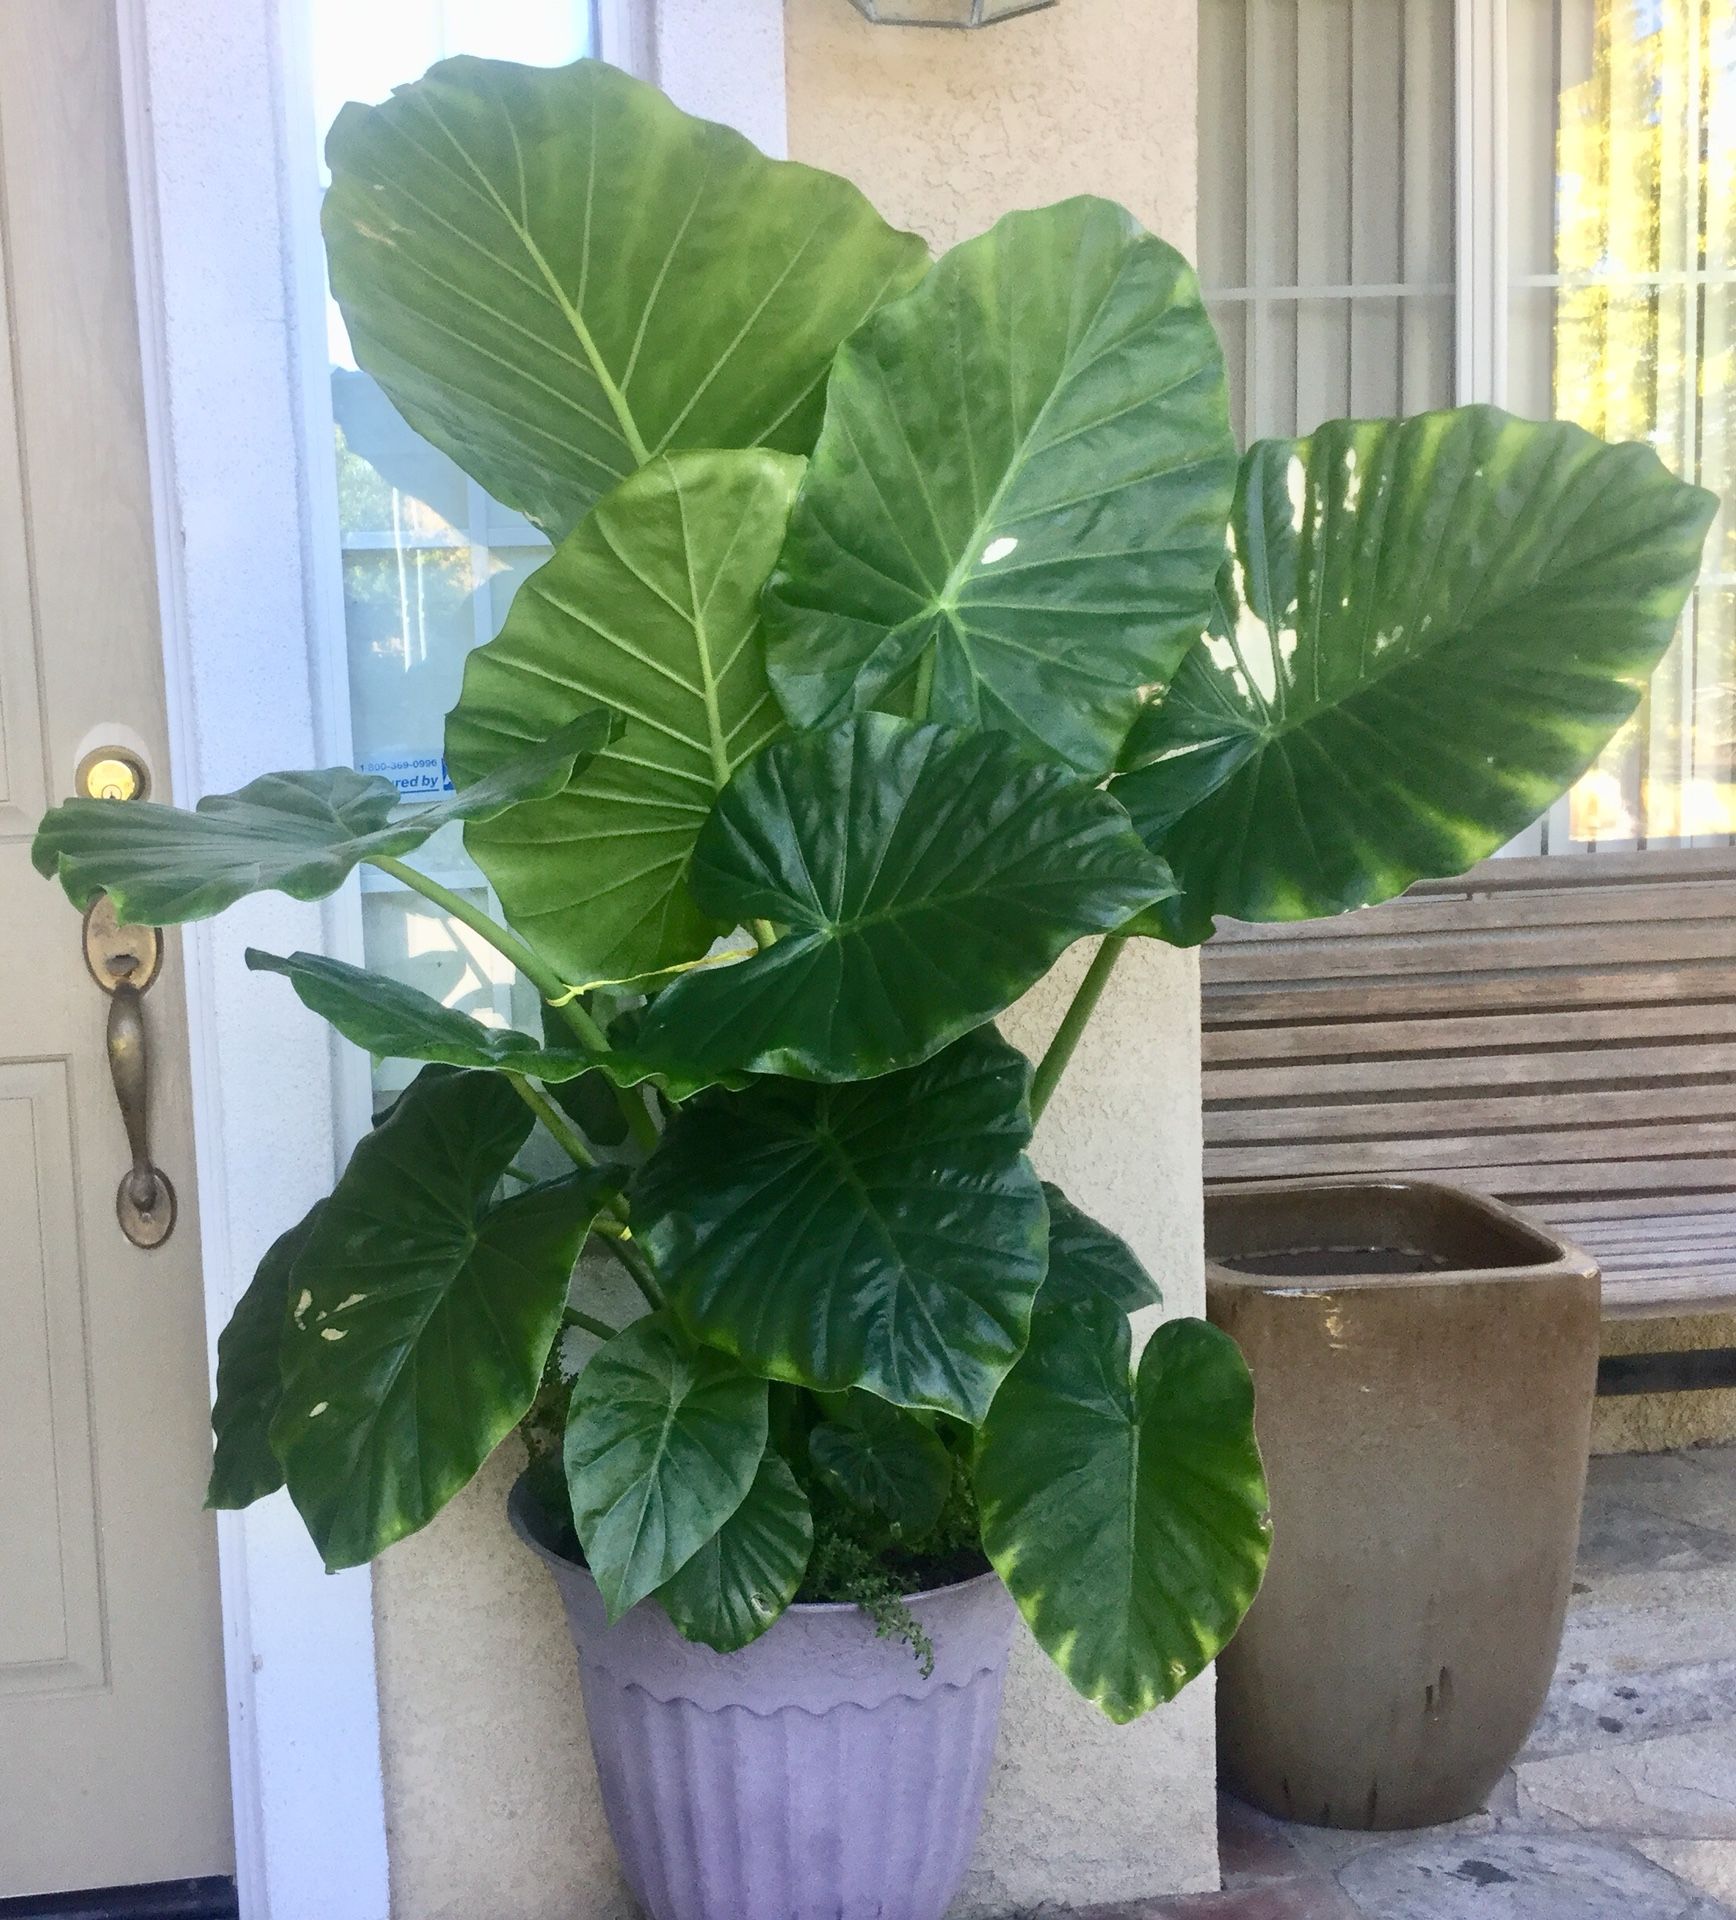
112 773
115 951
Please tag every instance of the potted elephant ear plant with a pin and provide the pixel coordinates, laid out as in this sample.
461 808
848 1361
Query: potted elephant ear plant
865 677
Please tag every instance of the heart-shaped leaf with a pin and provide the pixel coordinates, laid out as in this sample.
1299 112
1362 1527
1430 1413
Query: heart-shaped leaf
1126 1515
398 1022
745 1575
1087 1261
1426 631
421 1314
1019 492
651 608
884 1459
664 1439
924 877
556 274
296 833
250 1377
887 1233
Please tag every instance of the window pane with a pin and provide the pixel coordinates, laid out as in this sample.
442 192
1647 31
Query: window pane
429 561
1622 162
1326 205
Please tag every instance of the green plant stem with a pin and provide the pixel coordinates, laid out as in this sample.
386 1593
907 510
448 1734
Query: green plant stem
615 1236
574 1317
529 962
538 972
764 933
638 1270
1073 1023
566 1135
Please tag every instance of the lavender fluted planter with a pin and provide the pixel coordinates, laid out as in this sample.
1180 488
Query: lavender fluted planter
815 1775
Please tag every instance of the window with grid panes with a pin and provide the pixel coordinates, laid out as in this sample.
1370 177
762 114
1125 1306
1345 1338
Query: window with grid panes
1352 245
430 562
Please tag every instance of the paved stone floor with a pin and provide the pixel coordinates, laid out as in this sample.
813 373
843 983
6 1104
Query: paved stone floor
1622 1806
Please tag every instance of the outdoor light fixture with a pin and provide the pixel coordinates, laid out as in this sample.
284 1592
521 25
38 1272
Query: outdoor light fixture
946 13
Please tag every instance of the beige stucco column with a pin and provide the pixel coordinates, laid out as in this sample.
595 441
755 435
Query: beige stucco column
491 1796
945 132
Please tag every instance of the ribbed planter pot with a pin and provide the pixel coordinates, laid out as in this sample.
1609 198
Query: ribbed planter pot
815 1775
1424 1364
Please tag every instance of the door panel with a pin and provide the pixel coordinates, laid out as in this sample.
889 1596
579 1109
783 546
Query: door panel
113 1764
51 1627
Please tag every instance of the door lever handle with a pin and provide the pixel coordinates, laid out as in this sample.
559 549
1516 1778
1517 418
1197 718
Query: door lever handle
145 1203
124 960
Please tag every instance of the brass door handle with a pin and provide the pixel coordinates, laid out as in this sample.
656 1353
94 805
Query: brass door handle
145 1203
124 960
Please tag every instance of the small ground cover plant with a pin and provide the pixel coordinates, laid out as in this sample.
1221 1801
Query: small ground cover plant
907 621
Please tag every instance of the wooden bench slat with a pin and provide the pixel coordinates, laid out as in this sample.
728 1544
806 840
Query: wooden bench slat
1720 1234
1330 1040
1552 872
1464 993
1541 950
1612 1152
1624 1262
1311 1120
1531 1182
1304 1081
1632 1207
1471 915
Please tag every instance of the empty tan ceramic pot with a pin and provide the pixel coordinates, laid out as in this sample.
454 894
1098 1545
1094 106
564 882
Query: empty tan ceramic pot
1424 1362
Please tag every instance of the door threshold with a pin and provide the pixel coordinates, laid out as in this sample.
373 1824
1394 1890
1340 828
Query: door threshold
212 1899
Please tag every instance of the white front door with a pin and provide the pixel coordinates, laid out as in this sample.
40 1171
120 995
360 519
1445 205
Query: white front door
113 1755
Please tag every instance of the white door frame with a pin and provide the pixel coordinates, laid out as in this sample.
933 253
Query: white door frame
231 317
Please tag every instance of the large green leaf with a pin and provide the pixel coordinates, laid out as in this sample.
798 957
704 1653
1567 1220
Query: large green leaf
421 1314
924 878
1087 1261
1126 1515
1427 630
885 1233
1023 477
297 833
664 1439
884 1459
398 1022
250 1377
650 607
744 1576
556 274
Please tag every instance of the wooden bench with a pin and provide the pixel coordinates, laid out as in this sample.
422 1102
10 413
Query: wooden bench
1559 1033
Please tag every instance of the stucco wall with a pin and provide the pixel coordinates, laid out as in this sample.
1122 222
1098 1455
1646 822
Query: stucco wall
491 1798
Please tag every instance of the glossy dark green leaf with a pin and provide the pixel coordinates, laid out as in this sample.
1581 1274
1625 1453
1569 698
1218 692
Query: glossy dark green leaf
295 833
886 1234
250 1377
923 877
1023 477
745 1575
663 1443
1427 630
1087 1261
398 1022
883 1459
651 608
421 1314
556 274
1126 1514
